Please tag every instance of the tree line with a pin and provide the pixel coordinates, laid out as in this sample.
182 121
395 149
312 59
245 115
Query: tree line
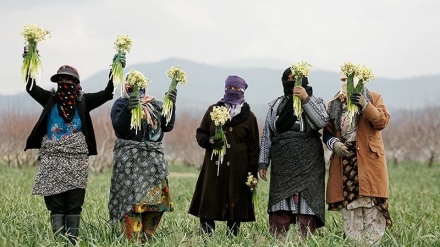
411 136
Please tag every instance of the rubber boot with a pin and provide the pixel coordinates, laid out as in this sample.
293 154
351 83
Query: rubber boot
233 228
207 226
57 222
72 228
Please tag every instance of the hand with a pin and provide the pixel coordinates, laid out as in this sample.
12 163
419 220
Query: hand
341 150
359 100
216 143
121 57
25 51
262 173
300 92
173 95
133 101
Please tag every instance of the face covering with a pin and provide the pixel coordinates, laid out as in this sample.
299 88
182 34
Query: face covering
66 99
233 97
288 87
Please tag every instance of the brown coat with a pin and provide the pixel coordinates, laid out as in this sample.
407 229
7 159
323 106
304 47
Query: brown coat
372 166
226 197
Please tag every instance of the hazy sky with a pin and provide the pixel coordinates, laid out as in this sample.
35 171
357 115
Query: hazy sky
395 38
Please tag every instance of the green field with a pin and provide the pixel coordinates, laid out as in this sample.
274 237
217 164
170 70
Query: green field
24 220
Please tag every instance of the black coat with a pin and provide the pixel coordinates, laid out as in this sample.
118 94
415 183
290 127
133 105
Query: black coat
227 197
86 103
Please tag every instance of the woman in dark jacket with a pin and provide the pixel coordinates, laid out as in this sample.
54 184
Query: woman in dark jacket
223 195
65 138
139 192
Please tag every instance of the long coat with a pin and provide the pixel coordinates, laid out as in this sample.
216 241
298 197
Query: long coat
372 166
226 196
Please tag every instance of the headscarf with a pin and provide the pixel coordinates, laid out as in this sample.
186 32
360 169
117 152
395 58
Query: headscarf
66 97
342 94
234 97
289 85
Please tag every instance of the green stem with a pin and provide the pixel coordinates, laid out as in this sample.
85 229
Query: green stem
298 80
359 87
173 85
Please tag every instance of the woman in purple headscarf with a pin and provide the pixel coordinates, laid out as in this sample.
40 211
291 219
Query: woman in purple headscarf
223 195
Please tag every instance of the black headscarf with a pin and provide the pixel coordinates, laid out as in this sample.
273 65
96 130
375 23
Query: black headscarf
289 85
286 117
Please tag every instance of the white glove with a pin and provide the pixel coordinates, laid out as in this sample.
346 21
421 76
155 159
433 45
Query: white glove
341 150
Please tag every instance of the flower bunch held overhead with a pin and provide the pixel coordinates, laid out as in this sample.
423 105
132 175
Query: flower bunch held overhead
219 115
300 70
138 81
31 67
362 75
177 76
123 44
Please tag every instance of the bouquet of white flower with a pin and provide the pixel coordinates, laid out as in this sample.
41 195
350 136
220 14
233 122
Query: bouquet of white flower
137 80
176 75
31 67
219 115
300 70
252 182
123 44
362 75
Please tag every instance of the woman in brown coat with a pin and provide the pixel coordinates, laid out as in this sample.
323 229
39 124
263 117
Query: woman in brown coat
222 195
358 177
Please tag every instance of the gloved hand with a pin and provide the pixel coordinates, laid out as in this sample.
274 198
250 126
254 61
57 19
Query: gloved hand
133 101
359 100
341 150
26 51
173 95
216 143
121 58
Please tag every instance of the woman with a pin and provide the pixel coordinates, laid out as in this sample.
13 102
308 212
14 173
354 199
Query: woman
222 195
292 145
65 138
358 178
139 192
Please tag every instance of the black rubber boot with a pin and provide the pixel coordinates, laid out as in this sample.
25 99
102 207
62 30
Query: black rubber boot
207 226
233 228
57 222
72 228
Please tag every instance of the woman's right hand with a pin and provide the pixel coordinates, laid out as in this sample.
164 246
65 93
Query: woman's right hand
262 173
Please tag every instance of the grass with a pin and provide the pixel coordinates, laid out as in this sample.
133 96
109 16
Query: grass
24 220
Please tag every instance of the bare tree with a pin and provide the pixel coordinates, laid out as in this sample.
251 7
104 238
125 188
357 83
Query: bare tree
424 134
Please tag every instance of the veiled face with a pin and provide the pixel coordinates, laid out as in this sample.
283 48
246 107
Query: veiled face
291 77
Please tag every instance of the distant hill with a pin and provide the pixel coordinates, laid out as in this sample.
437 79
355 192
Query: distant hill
206 84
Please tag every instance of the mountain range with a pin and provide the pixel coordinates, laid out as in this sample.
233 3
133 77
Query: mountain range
206 86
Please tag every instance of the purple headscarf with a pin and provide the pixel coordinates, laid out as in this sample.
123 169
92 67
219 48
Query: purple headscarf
234 97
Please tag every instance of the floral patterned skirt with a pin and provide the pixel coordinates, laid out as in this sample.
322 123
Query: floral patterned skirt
351 186
145 216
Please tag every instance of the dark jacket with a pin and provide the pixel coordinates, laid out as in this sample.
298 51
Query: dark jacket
227 197
85 103
121 120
